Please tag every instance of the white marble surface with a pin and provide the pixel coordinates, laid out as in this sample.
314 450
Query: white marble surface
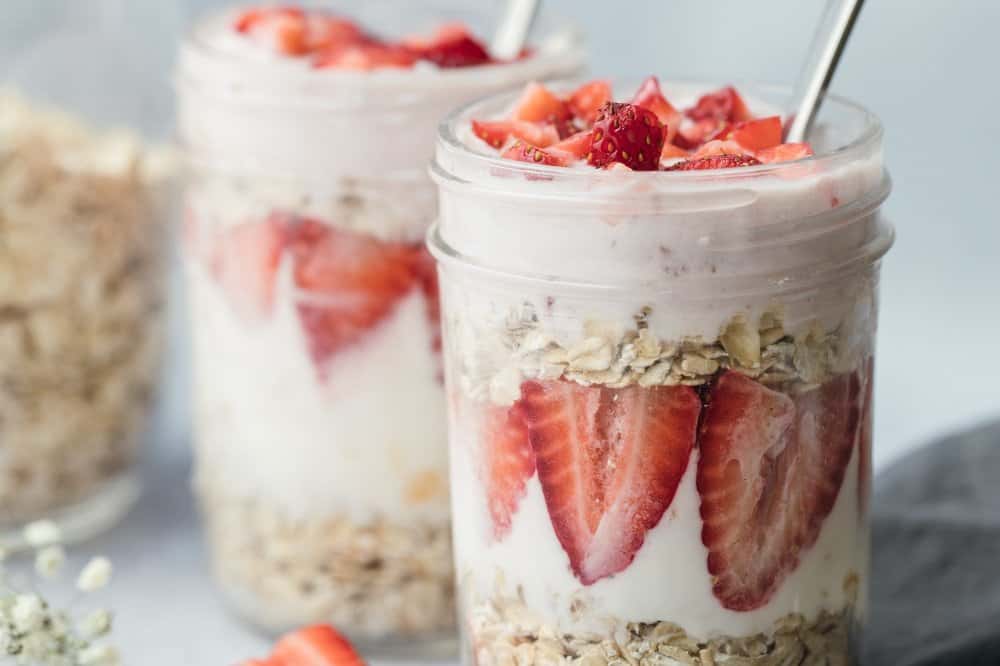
925 68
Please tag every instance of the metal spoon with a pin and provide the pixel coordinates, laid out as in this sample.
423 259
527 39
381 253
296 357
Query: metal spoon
512 33
827 47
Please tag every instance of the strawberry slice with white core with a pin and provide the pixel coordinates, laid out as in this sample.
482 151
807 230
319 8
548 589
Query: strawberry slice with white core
609 461
509 462
245 263
351 283
769 472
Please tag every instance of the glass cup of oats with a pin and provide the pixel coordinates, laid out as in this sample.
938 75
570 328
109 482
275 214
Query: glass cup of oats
81 304
320 443
660 384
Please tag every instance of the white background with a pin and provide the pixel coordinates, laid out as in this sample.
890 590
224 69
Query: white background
929 69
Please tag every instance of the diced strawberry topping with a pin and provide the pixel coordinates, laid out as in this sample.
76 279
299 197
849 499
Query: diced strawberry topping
628 134
586 101
245 262
453 46
721 105
769 471
525 152
575 147
716 147
714 162
755 134
295 32
364 57
650 96
538 104
672 152
317 645
609 461
509 461
352 282
785 152
497 132
691 135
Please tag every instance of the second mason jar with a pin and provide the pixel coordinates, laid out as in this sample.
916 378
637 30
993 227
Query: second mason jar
319 402
660 389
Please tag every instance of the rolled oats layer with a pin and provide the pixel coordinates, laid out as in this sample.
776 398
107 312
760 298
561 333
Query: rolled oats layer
378 579
81 299
504 633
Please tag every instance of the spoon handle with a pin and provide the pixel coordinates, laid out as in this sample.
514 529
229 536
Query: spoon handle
827 47
512 33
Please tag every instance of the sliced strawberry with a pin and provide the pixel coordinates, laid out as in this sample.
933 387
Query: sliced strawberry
769 472
538 104
714 162
586 101
525 152
865 439
692 134
755 134
256 17
672 152
497 132
245 263
717 147
721 105
317 645
574 147
352 282
609 461
364 57
650 96
628 134
785 152
451 46
509 463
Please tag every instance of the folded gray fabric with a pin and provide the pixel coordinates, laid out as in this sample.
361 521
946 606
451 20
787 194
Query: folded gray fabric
936 556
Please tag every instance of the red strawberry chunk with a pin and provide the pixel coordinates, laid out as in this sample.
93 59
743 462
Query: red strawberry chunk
574 147
723 161
650 96
538 104
496 133
785 152
351 283
769 472
454 48
721 105
586 101
245 262
317 645
755 134
717 147
690 135
509 463
628 134
525 152
609 461
364 56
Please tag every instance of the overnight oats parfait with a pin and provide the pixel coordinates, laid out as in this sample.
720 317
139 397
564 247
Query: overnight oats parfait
320 420
659 330
81 305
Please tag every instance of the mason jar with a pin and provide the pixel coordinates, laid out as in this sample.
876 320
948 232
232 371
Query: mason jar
320 443
660 397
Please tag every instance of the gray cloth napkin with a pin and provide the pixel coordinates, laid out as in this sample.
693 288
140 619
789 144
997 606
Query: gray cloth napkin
936 556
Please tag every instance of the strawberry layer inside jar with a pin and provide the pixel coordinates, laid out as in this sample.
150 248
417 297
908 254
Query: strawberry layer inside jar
646 133
327 40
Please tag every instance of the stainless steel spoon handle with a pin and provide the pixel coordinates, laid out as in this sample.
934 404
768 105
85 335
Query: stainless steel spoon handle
827 47
512 33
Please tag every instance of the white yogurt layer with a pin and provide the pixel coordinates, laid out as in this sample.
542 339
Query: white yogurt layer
667 581
366 441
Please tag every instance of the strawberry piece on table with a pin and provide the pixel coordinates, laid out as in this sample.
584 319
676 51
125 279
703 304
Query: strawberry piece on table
769 472
538 104
714 162
721 105
628 134
352 281
364 56
609 461
785 152
525 152
245 264
317 645
586 101
755 134
497 132
509 463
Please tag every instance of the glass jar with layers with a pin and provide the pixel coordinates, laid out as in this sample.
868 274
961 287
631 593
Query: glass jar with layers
81 281
319 405
660 390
